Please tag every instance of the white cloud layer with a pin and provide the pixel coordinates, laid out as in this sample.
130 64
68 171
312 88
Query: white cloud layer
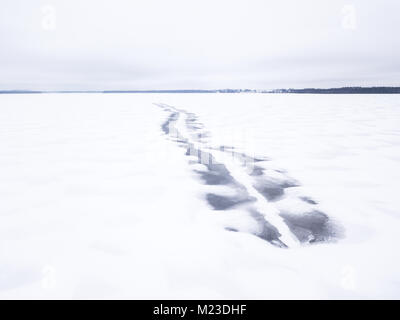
155 44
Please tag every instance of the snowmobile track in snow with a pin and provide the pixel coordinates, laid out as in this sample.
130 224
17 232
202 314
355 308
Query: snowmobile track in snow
254 189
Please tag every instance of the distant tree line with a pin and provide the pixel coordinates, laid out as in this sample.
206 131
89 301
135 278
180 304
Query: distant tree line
344 90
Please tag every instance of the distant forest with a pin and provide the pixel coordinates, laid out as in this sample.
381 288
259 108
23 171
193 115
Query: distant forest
344 90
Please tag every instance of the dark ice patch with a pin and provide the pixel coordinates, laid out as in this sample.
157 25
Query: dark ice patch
257 171
214 178
195 127
221 203
310 227
226 148
272 189
166 125
308 200
216 173
267 231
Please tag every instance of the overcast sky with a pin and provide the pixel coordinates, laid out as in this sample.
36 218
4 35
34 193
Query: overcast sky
203 44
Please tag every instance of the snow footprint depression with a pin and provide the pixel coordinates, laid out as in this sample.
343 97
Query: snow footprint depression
251 189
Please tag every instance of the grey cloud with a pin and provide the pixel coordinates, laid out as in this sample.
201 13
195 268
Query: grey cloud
191 44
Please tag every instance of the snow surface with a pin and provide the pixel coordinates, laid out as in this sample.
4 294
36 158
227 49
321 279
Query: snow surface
97 200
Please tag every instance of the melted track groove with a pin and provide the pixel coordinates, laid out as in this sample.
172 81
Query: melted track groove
255 190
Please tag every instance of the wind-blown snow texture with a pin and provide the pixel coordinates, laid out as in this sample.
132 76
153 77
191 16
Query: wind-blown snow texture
199 196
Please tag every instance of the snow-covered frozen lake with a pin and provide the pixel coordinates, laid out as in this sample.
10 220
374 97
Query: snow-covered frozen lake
227 196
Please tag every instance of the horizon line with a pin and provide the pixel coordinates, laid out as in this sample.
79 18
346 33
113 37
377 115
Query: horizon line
349 89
